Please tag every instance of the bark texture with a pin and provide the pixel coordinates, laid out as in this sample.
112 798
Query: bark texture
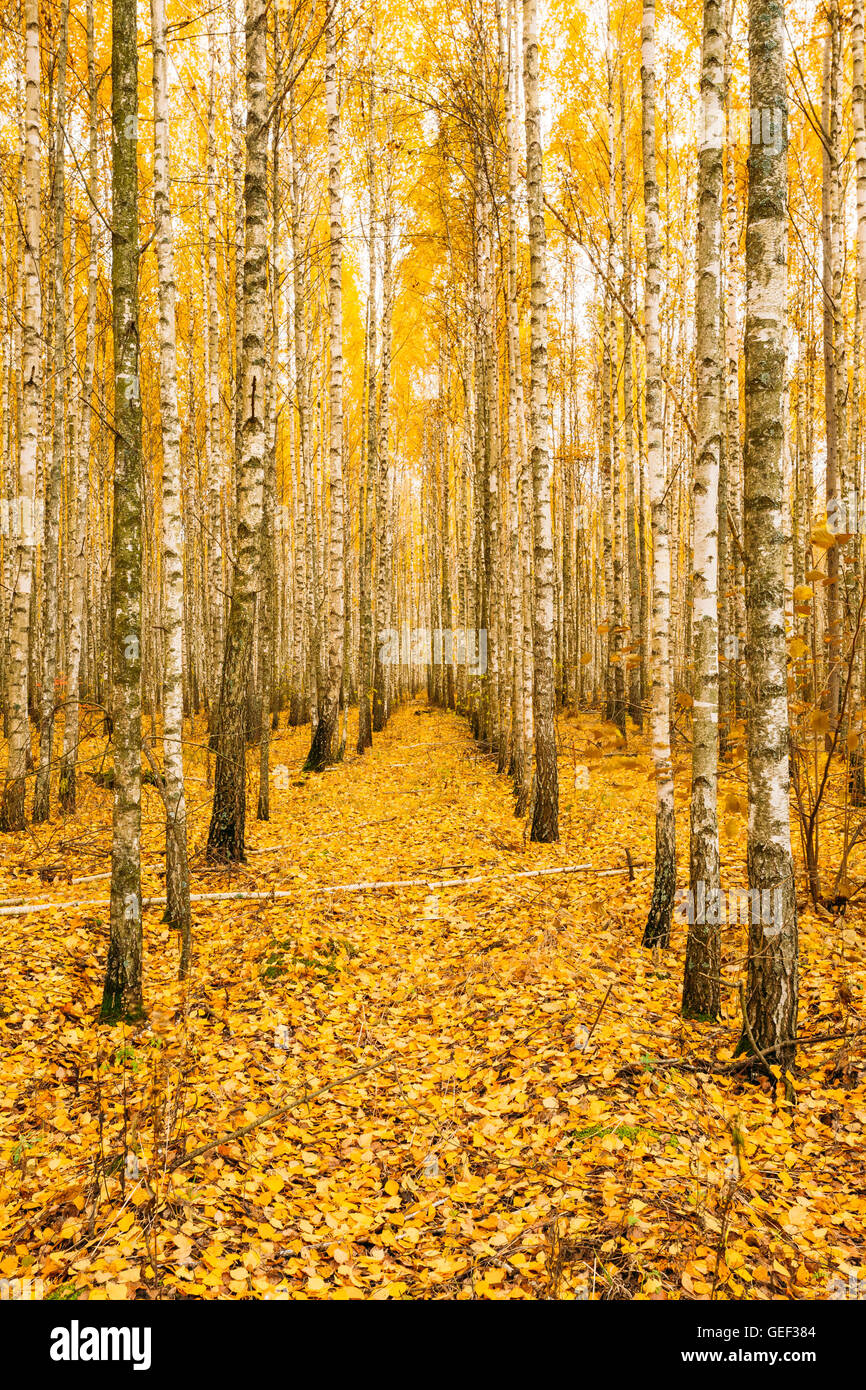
122 995
657 929
545 808
701 984
228 817
772 984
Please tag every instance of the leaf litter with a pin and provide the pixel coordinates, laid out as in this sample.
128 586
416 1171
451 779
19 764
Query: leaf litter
422 1091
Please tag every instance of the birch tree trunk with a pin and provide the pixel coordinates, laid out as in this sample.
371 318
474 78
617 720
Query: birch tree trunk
122 995
859 117
646 579
635 637
12 813
54 479
610 393
226 833
545 812
326 744
838 233
657 929
607 498
81 472
723 607
518 466
859 114
730 480
701 982
268 606
305 609
215 457
235 453
495 589
772 984
830 277
6 469
365 655
617 656
177 910
380 669
527 522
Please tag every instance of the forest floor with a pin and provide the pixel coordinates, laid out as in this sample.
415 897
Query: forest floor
482 1090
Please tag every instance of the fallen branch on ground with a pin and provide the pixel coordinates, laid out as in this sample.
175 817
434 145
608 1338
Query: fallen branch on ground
276 894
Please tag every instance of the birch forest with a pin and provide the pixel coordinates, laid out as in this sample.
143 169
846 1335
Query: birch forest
432 650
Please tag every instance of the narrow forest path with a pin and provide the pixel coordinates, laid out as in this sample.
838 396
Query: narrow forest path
486 1088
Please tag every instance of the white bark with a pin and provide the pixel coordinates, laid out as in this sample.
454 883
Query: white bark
326 742
772 984
81 472
859 113
122 995
54 478
701 985
214 450
23 509
228 817
545 820
177 870
657 930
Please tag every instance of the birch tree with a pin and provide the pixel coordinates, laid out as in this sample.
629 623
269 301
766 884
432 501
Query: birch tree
365 600
383 539
635 642
701 987
545 809
326 745
518 465
54 479
12 813
770 1024
176 870
214 434
657 929
122 994
267 610
228 817
859 114
81 471
831 280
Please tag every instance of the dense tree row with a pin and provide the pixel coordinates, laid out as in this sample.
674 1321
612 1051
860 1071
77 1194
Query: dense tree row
363 349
